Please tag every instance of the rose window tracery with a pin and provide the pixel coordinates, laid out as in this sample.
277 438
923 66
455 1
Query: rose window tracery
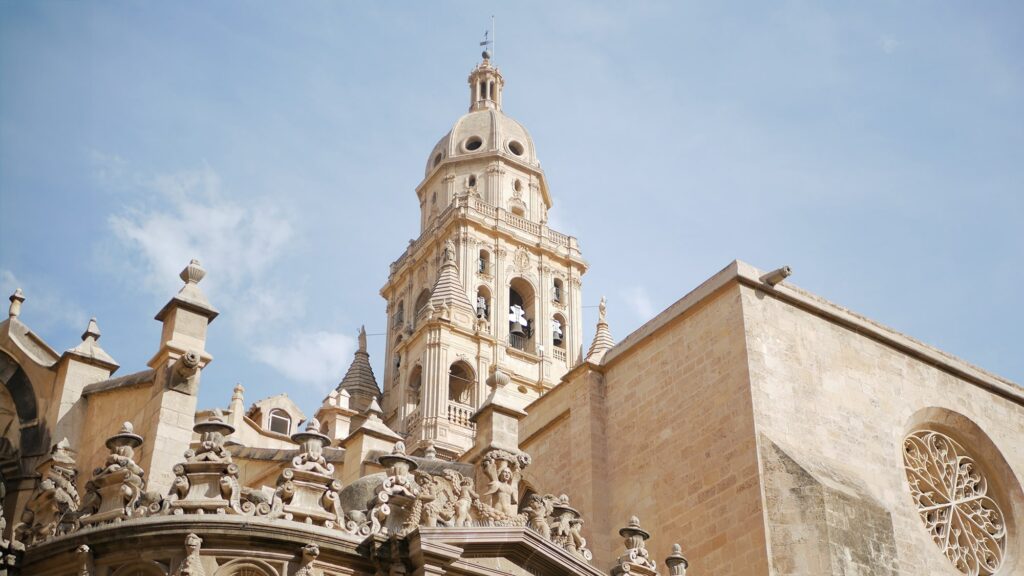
952 496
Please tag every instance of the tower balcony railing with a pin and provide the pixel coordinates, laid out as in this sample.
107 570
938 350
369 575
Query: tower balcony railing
558 353
488 210
460 415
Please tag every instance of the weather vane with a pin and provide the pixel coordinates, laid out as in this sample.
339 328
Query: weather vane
489 39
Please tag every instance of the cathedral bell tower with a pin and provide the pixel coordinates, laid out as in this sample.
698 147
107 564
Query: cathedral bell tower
488 295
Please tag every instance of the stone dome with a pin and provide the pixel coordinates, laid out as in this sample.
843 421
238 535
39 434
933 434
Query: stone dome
484 131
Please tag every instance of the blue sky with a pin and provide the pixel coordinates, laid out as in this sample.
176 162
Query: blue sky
876 147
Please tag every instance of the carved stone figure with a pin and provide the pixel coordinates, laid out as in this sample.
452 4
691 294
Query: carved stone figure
503 470
567 528
115 491
538 510
52 508
309 553
192 565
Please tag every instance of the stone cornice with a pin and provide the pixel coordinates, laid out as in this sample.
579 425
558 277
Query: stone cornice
738 272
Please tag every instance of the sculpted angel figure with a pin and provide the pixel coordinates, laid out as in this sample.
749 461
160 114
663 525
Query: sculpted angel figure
538 509
501 488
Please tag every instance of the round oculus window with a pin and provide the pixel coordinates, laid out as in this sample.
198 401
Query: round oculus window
954 500
473 143
516 148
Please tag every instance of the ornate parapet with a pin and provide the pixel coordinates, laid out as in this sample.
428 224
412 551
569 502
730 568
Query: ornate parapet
115 491
52 510
636 559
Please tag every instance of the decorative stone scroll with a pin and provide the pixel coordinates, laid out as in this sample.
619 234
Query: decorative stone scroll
115 490
53 507
207 482
636 560
393 505
952 496
307 492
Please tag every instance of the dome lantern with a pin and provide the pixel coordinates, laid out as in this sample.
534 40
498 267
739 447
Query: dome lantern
485 84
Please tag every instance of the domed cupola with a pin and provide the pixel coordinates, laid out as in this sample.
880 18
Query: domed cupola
485 129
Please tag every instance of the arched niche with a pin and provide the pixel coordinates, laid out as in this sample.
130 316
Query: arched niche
461 382
30 432
521 314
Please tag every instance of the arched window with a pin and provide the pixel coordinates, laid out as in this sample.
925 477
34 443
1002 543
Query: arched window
460 382
415 384
472 180
280 422
558 334
483 263
421 301
483 303
520 315
399 318
557 291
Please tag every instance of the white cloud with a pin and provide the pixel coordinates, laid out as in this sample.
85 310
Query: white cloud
640 302
43 305
188 215
318 358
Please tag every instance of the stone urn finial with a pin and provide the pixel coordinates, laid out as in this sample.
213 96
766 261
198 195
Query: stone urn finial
16 299
676 562
193 273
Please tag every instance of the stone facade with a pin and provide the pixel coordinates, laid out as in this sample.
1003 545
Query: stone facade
766 430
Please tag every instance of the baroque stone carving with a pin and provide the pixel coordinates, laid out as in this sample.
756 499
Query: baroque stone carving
567 528
53 507
951 494
207 482
636 559
115 490
192 565
392 506
504 471
307 491
521 259
309 553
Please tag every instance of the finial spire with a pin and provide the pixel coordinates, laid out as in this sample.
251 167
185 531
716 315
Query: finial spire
92 330
16 299
362 338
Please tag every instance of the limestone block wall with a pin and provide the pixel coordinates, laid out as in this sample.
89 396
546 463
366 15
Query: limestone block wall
679 441
832 406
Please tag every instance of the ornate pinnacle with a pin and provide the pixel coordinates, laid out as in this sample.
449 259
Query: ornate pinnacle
16 299
236 394
602 310
362 338
193 273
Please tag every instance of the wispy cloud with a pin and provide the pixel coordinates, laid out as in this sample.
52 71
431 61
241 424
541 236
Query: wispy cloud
639 302
318 358
189 214
44 306
888 44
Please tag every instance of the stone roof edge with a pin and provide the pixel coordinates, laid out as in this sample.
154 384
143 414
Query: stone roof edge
140 378
747 275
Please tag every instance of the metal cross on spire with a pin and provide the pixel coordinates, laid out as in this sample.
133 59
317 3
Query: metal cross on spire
488 42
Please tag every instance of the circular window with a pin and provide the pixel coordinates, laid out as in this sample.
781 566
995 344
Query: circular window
437 159
517 186
952 496
515 148
473 143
